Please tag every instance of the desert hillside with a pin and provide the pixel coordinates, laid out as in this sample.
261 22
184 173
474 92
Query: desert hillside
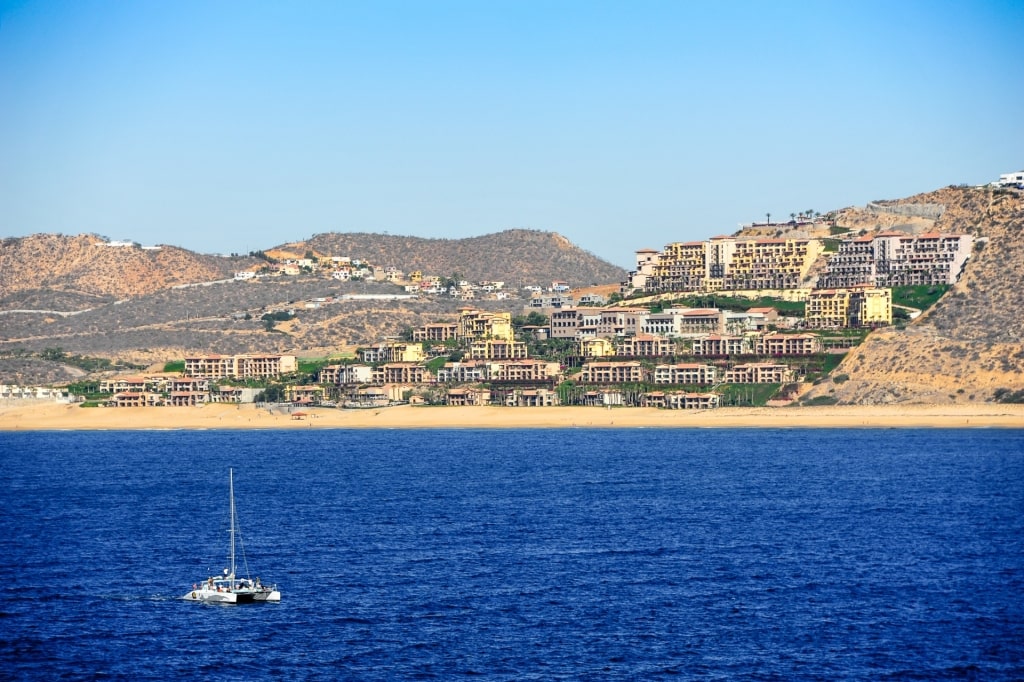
969 345
45 271
131 304
88 266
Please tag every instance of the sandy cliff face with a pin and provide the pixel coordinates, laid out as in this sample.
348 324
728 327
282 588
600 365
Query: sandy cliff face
972 342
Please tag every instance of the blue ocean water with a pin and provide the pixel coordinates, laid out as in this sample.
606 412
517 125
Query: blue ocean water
517 555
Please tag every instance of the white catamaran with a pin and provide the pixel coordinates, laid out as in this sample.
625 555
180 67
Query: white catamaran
229 588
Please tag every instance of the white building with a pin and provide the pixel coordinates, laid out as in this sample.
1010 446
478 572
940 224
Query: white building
1014 179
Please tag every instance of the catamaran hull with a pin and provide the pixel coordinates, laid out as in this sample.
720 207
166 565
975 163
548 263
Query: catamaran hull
215 597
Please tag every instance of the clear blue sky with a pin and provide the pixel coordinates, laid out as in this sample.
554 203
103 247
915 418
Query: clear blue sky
228 126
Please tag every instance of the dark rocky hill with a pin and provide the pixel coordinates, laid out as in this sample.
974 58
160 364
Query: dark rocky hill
516 257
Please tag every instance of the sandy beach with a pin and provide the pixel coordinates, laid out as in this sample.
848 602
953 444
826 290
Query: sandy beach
41 416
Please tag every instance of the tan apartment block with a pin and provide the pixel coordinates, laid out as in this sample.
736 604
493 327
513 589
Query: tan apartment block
944 254
132 384
645 345
480 324
524 370
595 347
153 383
401 351
686 373
532 397
437 332
607 398
392 351
564 323
339 375
828 309
646 262
612 372
246 366
849 308
212 366
853 263
870 307
187 398
401 373
700 321
190 384
722 345
681 266
620 321
680 401
304 394
497 349
729 263
889 259
462 372
252 366
772 263
775 343
692 401
369 396
468 396
758 373
134 399
226 394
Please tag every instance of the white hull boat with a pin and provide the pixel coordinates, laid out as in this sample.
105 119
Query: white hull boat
230 588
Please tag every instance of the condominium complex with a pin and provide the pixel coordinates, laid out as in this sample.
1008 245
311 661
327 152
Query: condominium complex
726 263
774 343
438 331
392 351
612 372
685 373
524 370
854 307
645 345
584 323
479 324
497 349
890 259
248 366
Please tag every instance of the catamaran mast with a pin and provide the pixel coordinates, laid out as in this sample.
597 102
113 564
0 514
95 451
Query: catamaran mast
231 489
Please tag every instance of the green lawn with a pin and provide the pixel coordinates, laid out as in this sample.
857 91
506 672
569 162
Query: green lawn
922 296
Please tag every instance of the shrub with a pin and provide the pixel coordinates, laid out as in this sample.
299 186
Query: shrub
1005 395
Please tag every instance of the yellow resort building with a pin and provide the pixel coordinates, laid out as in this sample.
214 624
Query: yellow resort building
247 366
480 324
849 308
727 263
